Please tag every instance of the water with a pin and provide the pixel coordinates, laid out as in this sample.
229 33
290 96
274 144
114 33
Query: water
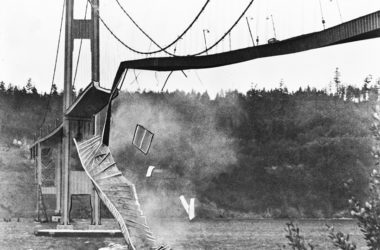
180 234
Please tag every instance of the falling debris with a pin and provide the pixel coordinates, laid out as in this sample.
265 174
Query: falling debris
184 203
189 208
142 138
149 171
152 169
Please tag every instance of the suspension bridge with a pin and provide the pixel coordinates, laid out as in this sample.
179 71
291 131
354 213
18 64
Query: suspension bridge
362 28
74 158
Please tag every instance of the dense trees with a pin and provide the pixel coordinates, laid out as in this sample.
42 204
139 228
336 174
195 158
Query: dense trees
22 111
266 150
288 153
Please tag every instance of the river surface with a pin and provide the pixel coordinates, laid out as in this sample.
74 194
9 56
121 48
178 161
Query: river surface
180 234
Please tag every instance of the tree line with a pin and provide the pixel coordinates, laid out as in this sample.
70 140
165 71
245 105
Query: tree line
286 153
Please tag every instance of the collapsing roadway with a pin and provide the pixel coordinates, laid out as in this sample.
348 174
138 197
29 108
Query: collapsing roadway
362 28
114 189
117 193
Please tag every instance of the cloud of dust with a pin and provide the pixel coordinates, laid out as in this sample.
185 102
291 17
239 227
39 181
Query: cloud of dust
186 146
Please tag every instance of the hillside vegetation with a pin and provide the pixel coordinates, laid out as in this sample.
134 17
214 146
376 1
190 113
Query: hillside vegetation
273 153
266 152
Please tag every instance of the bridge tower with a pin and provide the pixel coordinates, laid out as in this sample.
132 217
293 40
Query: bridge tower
76 29
59 172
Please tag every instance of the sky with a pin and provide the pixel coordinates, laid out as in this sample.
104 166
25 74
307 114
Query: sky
29 35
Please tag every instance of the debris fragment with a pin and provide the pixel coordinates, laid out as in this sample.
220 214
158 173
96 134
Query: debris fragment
142 139
149 171
189 208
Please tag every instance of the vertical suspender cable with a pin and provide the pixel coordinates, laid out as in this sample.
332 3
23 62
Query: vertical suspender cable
55 63
167 78
274 29
250 32
257 23
229 40
137 81
340 13
323 19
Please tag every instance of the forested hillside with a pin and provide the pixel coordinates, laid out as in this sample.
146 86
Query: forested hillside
22 111
269 152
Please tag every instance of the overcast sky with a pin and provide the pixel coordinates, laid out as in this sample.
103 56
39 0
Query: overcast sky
29 34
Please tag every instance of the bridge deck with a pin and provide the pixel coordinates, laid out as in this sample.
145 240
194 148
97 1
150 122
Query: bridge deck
117 193
362 28
92 100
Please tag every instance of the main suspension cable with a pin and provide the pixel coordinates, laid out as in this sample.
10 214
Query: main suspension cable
149 53
173 42
227 32
113 34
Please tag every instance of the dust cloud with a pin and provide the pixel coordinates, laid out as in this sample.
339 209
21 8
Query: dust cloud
187 147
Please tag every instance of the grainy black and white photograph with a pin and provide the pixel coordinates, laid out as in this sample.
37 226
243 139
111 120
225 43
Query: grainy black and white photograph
189 125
